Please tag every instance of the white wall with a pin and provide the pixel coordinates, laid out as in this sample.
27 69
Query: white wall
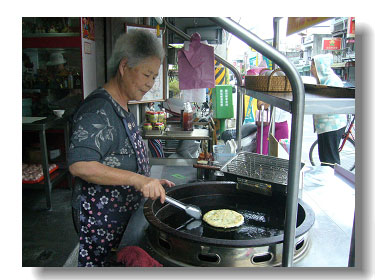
88 66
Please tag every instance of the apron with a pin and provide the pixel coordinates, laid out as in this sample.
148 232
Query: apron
139 147
106 210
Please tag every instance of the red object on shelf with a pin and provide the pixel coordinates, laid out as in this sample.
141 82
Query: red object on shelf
33 173
51 42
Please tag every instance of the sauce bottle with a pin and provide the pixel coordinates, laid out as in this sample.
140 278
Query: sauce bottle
187 119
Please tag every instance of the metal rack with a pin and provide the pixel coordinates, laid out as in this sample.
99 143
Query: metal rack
49 180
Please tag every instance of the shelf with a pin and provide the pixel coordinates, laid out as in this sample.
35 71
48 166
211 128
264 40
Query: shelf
41 35
41 126
44 124
196 134
59 42
318 101
55 178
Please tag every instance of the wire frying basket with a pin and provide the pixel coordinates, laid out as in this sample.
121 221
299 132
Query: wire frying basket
261 167
259 173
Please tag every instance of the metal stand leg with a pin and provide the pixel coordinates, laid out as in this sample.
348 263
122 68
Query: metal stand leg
47 180
261 130
351 262
66 140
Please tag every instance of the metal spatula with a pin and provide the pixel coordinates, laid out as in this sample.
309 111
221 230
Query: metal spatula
191 210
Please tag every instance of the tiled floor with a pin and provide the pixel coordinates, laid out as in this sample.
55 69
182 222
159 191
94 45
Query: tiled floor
332 199
48 237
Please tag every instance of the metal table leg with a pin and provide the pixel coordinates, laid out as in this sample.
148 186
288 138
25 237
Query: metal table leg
47 180
66 140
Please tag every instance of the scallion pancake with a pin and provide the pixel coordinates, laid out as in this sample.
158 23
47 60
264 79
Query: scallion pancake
223 218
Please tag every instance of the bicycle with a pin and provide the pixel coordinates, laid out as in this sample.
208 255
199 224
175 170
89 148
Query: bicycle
346 147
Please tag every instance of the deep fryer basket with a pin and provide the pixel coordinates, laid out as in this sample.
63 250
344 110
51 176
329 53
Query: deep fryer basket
259 173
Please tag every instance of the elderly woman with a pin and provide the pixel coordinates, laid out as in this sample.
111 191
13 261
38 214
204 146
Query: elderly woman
329 127
107 152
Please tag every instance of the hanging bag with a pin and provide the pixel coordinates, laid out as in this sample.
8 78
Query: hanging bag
196 65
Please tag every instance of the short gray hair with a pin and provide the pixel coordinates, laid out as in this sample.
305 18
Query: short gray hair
135 45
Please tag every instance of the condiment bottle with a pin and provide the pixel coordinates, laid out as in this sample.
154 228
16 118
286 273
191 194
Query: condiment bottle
187 119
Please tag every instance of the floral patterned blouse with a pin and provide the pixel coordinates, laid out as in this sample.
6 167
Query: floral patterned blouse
99 134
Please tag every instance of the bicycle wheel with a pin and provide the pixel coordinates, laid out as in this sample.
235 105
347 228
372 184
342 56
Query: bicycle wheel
314 154
347 155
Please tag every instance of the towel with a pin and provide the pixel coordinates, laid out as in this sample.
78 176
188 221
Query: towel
133 256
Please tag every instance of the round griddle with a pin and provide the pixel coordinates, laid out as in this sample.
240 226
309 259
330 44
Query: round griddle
263 215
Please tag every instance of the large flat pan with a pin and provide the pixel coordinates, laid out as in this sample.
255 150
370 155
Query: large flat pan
264 215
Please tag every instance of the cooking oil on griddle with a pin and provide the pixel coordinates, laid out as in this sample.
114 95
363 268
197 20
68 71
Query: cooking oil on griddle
258 223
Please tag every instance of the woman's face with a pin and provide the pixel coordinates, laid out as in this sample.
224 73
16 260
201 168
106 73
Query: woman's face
137 81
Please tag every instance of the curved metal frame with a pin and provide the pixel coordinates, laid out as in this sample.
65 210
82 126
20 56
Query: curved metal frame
298 106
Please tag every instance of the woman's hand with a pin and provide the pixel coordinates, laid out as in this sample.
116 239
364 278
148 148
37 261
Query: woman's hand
97 173
153 188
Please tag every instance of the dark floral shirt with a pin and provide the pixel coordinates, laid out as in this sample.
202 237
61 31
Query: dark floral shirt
98 134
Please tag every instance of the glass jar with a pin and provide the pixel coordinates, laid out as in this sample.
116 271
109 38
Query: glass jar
147 126
159 126
161 117
152 117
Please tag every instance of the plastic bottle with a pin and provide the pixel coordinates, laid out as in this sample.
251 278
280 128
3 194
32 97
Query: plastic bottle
70 80
187 117
77 80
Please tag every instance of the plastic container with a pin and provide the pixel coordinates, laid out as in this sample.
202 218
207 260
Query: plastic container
33 173
221 154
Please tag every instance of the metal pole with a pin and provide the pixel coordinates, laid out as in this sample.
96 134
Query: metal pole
298 106
230 67
261 130
276 37
351 262
276 28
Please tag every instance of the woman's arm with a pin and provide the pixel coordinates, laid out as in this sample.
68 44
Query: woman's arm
97 173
